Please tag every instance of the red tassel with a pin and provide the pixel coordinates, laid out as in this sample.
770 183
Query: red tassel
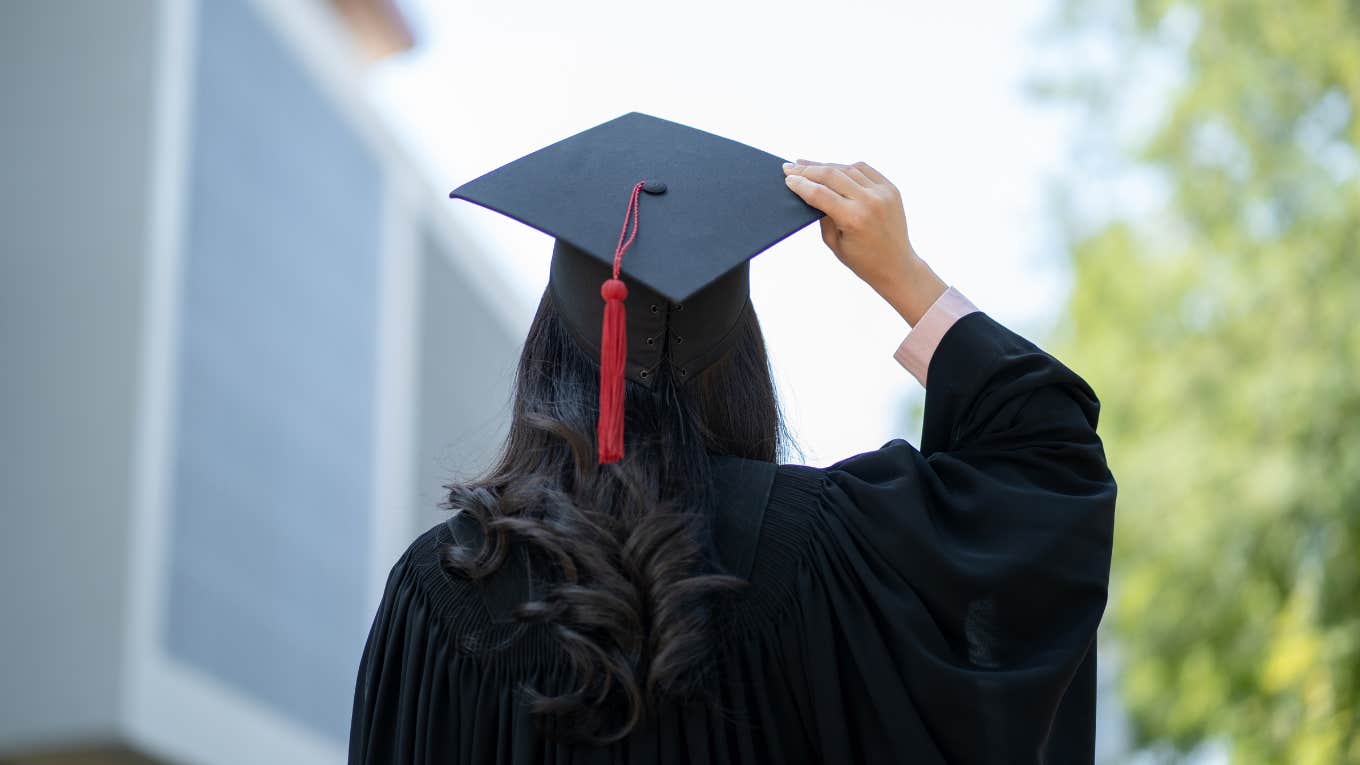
614 346
613 357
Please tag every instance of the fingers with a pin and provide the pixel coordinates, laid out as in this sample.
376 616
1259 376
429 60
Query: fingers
861 172
870 173
830 176
859 177
849 194
851 170
817 195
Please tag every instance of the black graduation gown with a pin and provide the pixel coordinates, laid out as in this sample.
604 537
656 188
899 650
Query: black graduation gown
924 606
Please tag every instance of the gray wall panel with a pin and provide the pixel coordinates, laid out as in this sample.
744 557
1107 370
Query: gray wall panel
272 483
467 364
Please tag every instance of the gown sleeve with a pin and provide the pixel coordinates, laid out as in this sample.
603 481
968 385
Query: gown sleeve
962 583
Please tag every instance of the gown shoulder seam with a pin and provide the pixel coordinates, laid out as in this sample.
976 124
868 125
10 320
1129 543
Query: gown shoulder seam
459 614
783 546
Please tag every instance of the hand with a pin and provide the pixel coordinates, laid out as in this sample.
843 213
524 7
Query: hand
866 227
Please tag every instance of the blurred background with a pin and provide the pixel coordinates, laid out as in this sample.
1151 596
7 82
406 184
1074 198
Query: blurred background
246 336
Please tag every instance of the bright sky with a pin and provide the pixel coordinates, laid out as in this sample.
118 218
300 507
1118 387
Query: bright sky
929 93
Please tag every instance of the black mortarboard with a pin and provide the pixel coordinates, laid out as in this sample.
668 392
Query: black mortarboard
678 211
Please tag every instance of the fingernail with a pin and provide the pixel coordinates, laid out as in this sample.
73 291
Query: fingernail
788 165
791 179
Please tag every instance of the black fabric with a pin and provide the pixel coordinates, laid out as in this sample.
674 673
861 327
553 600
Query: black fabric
724 203
905 606
692 334
742 484
718 204
511 584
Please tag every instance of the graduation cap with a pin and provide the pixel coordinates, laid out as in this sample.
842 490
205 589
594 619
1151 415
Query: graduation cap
660 216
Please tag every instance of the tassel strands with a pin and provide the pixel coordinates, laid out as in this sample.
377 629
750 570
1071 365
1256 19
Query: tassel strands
614 344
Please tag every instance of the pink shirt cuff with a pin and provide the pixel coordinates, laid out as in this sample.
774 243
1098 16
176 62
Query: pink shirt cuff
915 351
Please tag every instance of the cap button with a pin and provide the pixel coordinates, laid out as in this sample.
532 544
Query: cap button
654 187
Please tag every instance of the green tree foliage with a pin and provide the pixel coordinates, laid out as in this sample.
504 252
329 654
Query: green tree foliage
1222 333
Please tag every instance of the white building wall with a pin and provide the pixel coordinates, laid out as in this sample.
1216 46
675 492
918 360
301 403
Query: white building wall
73 199
242 347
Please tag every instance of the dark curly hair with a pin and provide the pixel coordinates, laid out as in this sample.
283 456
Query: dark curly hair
631 599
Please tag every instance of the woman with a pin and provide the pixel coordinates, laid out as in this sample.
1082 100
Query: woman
694 601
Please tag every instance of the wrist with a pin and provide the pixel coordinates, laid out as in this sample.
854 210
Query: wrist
913 289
